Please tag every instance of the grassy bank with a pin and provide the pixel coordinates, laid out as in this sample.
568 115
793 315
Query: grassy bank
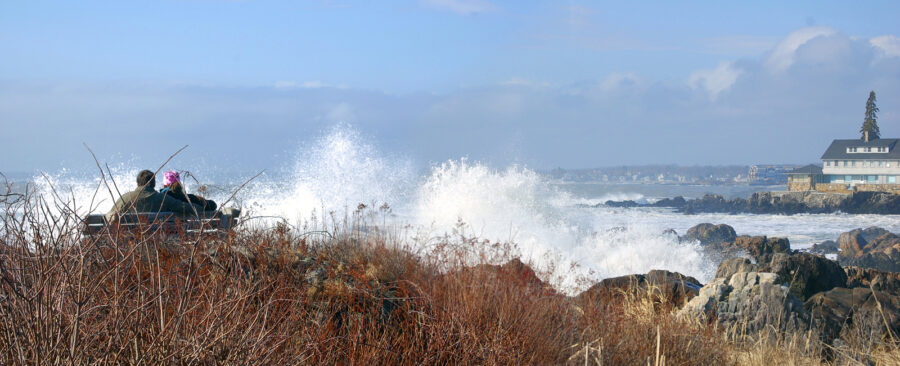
348 292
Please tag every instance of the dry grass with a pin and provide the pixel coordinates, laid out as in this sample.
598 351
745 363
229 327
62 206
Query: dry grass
272 295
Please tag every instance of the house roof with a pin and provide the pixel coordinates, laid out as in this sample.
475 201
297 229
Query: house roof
809 169
838 149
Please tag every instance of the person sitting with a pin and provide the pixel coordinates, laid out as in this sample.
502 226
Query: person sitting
172 187
146 199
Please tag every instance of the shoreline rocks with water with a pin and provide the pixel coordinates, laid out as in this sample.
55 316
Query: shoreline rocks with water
785 203
767 286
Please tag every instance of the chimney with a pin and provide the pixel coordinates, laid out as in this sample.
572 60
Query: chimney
866 136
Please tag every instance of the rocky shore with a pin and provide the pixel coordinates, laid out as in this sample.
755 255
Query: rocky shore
786 203
765 286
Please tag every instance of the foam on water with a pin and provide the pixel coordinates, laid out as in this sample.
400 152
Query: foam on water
332 174
518 205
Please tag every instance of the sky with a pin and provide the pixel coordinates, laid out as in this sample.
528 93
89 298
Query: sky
570 84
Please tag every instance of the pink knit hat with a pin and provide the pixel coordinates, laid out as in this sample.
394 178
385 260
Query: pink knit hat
170 177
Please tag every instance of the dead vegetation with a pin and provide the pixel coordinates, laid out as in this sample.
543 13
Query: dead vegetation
355 294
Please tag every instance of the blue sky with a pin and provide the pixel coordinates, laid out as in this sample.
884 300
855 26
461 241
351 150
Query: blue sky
546 84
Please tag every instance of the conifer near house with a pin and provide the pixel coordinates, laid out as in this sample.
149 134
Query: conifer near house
869 127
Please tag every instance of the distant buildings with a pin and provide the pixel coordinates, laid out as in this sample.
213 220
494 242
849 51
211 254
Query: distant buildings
769 174
852 165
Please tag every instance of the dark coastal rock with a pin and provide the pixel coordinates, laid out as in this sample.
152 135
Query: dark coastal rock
734 265
833 310
626 203
803 273
871 248
806 274
676 202
871 203
669 287
882 261
708 233
709 203
825 247
747 303
790 203
785 203
853 243
884 281
761 248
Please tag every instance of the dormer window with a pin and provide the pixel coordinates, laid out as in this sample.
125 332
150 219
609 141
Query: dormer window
863 149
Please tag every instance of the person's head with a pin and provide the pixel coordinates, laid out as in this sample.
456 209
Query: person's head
146 178
172 180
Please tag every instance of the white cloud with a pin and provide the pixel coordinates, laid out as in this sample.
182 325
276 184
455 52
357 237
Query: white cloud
783 56
463 7
716 80
889 44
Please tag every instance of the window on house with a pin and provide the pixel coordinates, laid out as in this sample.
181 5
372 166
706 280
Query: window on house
892 179
872 178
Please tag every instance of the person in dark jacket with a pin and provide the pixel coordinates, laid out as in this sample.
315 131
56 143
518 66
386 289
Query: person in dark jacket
146 199
172 187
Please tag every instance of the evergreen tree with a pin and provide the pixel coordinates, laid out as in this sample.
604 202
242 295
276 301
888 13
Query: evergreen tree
870 123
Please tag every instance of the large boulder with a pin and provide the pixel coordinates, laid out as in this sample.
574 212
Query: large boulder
872 248
761 248
884 281
734 265
748 302
669 287
833 310
806 274
708 233
854 243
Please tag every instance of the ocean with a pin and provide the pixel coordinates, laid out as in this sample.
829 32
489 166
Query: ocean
552 223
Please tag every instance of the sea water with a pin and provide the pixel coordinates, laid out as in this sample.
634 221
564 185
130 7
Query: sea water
548 220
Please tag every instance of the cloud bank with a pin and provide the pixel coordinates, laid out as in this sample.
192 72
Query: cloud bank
783 106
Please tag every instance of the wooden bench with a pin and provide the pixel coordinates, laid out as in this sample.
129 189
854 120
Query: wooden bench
164 222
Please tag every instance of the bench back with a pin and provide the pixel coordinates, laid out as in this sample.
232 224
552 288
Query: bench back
167 222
